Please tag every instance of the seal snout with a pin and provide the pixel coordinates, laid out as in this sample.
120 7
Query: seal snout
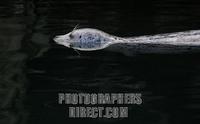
62 40
59 39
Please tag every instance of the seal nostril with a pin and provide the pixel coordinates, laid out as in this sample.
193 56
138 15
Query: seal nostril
56 37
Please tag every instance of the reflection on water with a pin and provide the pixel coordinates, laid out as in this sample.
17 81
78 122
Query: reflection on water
34 69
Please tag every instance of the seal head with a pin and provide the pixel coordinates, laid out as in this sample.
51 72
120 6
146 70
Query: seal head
85 39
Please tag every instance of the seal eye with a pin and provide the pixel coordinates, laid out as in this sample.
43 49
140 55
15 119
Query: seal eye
71 36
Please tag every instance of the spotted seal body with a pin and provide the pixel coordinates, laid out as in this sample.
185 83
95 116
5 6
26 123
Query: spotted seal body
92 39
85 39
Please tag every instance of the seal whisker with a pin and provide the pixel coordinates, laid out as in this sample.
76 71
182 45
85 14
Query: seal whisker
77 52
76 27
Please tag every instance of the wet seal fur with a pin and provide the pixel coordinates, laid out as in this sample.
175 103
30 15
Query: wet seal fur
88 39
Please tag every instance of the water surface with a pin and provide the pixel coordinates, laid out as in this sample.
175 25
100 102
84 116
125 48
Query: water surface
34 69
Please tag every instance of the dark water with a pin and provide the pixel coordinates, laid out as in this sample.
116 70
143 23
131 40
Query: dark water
33 69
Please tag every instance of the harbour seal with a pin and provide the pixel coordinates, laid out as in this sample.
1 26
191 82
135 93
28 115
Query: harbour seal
88 39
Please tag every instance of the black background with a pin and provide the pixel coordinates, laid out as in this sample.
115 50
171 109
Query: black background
33 69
